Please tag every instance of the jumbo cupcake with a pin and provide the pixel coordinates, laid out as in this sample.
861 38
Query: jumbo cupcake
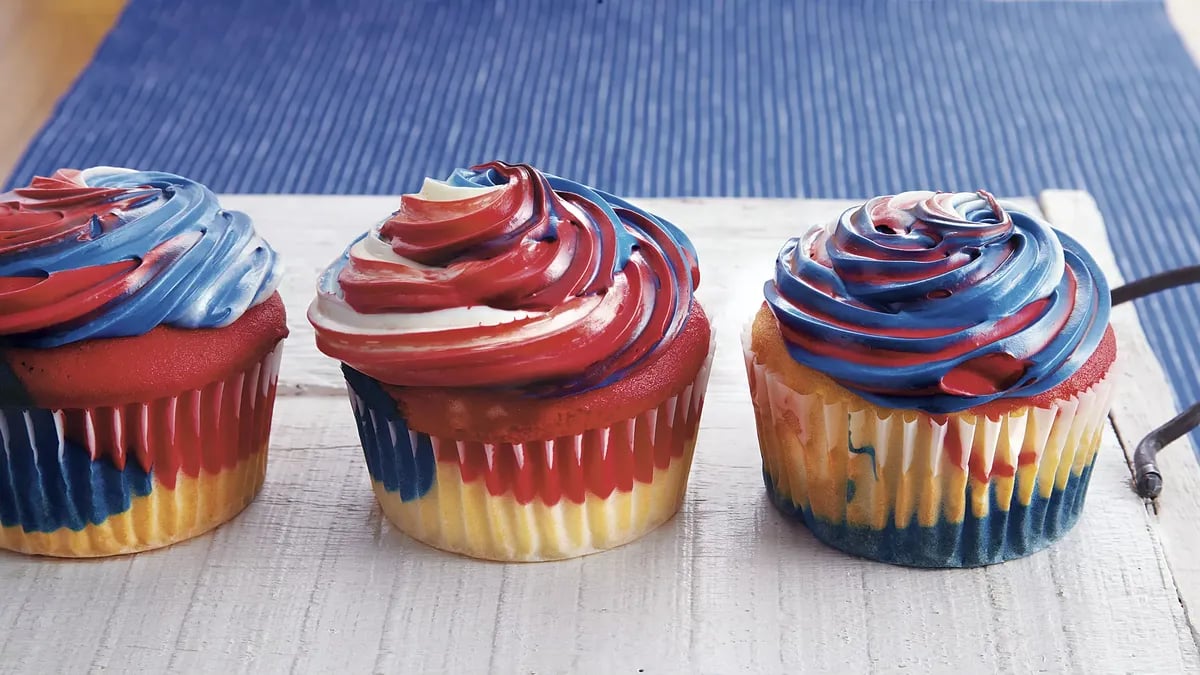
930 380
139 342
525 360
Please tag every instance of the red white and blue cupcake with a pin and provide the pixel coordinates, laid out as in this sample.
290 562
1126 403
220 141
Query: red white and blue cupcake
526 362
930 380
139 344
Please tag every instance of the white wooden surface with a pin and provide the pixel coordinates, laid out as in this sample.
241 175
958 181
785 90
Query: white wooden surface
312 579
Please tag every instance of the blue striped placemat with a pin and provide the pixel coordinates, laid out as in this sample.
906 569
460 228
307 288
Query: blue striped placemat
846 98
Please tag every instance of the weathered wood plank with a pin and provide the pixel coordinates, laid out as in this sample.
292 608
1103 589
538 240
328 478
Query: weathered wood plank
1144 403
312 578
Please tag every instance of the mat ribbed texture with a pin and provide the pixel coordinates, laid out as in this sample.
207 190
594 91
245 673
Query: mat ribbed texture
669 98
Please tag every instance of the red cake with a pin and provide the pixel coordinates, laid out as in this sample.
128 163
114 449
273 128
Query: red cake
110 371
139 336
474 414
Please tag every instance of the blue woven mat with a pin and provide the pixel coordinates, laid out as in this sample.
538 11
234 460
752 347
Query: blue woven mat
845 98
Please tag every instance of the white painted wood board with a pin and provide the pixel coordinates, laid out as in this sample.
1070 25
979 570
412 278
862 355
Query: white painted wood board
311 578
1145 402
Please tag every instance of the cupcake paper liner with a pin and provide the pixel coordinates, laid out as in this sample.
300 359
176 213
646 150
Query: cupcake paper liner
906 487
543 499
83 482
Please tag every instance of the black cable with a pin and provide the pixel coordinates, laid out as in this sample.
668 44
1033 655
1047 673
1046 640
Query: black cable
1147 479
1155 283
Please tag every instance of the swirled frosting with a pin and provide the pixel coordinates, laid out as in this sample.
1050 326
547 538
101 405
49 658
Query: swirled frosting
502 276
939 301
112 252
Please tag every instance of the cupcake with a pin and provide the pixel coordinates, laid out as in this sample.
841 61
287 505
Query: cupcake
525 360
930 380
139 343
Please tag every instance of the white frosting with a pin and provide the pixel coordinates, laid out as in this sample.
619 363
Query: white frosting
375 249
84 175
433 190
595 308
333 313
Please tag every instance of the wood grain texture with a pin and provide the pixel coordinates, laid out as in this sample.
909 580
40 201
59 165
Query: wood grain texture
1146 403
311 578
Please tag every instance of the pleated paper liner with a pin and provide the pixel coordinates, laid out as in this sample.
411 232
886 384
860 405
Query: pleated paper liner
910 488
89 482
545 499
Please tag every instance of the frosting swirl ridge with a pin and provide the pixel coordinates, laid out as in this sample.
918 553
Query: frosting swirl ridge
503 276
110 252
939 301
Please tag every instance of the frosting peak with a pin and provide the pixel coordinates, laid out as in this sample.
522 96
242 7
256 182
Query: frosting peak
110 252
939 301
503 276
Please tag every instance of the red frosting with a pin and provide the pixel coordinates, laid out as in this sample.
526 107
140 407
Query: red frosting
59 208
501 417
162 362
520 246
1092 371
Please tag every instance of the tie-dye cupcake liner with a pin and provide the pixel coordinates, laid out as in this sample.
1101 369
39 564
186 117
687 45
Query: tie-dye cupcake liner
88 482
910 488
545 499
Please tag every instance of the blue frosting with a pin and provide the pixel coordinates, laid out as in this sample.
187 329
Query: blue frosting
904 294
391 457
43 488
626 243
221 269
1006 532
614 228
